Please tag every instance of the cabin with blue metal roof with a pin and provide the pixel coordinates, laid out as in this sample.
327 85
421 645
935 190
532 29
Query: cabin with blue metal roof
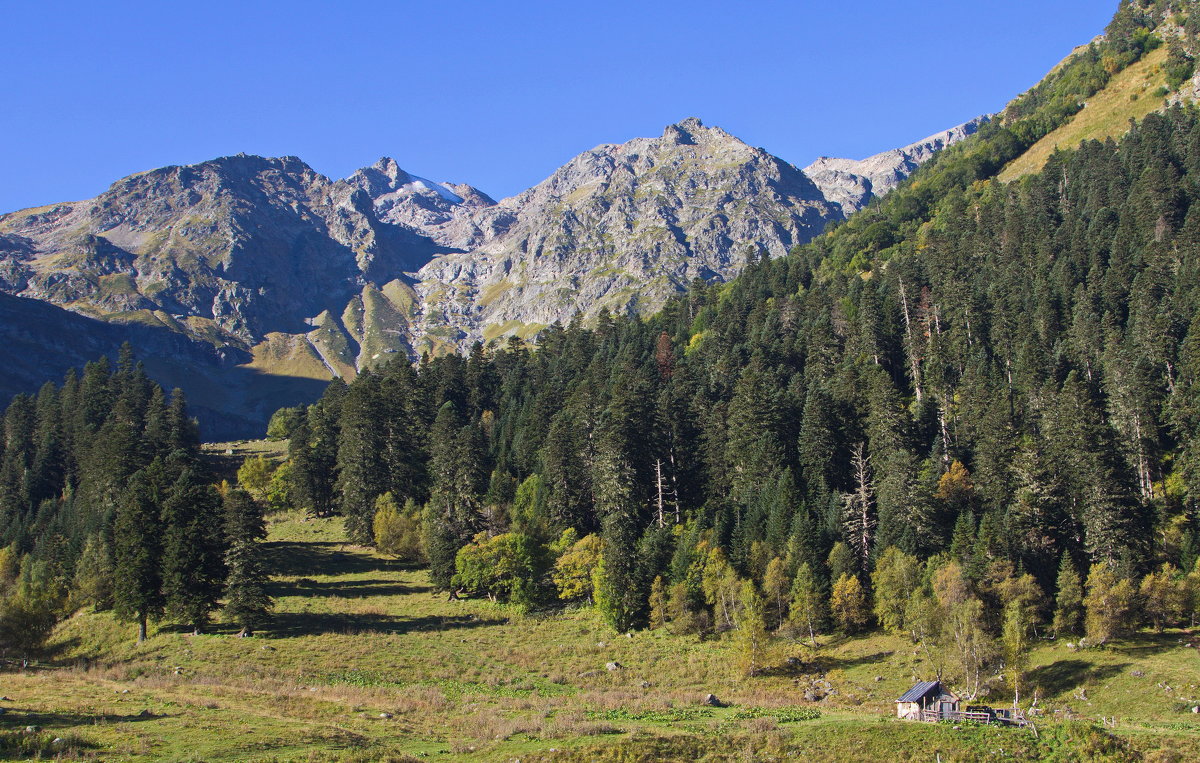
928 701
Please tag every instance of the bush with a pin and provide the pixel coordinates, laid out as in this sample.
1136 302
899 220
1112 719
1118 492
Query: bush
283 423
508 567
397 530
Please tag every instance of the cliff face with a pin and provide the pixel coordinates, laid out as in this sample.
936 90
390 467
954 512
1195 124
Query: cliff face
242 246
266 266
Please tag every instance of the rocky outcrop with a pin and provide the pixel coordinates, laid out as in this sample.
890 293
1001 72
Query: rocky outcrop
853 183
439 211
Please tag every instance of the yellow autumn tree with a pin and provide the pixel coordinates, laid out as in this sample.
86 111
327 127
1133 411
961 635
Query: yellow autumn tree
848 603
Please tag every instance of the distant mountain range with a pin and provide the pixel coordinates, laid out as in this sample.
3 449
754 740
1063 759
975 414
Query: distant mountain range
250 281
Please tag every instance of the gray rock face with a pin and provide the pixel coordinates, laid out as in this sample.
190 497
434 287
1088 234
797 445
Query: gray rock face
437 210
853 183
247 245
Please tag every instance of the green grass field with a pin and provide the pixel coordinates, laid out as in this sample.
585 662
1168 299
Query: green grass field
365 662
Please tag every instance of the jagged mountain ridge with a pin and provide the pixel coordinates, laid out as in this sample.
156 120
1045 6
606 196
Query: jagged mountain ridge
303 277
853 183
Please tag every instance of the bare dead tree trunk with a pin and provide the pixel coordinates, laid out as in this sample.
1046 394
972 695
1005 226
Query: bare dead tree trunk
910 344
674 484
658 482
859 523
945 435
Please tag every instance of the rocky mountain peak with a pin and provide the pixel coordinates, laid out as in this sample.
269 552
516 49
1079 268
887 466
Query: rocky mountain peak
623 227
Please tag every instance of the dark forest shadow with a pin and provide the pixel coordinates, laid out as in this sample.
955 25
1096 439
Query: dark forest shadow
322 558
839 663
293 624
15 717
1146 644
343 589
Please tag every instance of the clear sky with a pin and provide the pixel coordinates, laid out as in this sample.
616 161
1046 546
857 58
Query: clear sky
496 94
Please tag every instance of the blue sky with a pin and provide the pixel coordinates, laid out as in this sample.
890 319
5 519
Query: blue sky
496 94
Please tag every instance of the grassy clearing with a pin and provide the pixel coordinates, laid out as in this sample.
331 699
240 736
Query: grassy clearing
225 458
366 662
1132 94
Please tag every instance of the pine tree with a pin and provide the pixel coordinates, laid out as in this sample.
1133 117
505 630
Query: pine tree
192 565
92 584
841 561
362 472
1068 610
137 548
246 601
621 595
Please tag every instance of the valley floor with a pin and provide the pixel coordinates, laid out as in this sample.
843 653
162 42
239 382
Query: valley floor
366 662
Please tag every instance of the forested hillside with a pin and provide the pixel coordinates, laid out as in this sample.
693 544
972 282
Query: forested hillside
998 378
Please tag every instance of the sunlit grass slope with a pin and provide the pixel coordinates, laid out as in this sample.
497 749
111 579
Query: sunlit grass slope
1132 93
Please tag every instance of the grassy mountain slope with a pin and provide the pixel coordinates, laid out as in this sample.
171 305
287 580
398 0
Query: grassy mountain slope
358 636
1131 94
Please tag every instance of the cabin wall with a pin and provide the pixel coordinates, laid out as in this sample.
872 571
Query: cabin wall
908 710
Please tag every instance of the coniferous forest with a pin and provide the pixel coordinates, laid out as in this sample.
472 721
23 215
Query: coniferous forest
105 503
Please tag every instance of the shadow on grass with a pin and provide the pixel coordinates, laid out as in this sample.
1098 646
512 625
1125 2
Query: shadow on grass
839 663
322 558
17 718
55 651
292 624
1145 644
344 589
1064 675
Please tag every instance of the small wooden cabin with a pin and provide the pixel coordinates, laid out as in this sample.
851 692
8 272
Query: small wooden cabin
928 701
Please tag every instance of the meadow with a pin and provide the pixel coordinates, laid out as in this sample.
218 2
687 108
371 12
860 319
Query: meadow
366 662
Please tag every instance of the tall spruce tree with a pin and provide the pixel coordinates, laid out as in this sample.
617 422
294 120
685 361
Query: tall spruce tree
193 569
137 547
247 603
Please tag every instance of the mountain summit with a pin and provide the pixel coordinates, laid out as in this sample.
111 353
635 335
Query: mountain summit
622 226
